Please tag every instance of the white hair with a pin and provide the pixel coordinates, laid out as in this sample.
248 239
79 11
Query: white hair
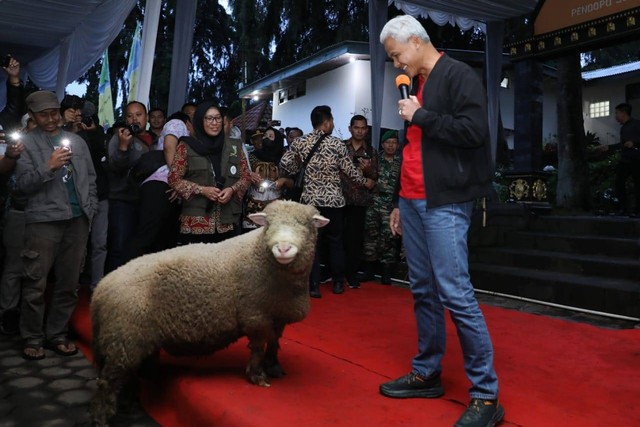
402 28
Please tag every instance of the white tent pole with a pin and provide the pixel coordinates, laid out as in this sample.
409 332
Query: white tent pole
148 47
181 57
63 68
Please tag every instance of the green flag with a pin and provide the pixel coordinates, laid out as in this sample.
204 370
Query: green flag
105 101
133 68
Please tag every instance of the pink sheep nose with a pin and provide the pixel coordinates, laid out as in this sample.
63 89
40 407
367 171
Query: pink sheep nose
283 248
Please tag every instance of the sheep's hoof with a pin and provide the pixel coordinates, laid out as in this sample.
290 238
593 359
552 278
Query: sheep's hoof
259 380
275 371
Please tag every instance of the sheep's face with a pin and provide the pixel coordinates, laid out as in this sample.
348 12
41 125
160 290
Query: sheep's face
289 228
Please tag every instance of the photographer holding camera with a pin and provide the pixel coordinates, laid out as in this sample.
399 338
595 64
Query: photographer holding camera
70 113
126 146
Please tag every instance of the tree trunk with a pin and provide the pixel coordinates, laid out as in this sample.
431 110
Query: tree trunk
573 170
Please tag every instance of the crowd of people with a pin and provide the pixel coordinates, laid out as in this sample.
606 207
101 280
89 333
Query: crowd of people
81 201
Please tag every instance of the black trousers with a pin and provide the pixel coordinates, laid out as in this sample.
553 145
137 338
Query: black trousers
354 218
157 222
187 239
623 172
331 236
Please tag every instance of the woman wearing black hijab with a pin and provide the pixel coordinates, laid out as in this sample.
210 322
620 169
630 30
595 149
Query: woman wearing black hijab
272 147
209 172
266 184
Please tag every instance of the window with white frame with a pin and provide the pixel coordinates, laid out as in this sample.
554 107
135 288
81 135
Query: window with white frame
599 109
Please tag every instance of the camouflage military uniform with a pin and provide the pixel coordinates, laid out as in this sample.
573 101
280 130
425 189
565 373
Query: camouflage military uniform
379 244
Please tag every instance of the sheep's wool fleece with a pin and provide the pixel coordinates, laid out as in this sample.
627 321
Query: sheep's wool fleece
204 296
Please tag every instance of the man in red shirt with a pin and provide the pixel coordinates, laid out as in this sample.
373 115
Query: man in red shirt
446 164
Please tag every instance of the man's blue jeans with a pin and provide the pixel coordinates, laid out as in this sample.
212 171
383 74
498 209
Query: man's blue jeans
435 241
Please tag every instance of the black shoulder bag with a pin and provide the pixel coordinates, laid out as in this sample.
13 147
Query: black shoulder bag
298 184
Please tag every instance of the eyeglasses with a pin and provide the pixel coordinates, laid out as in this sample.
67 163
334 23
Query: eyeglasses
213 119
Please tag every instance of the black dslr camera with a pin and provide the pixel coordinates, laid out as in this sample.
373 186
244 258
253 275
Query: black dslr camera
133 128
357 157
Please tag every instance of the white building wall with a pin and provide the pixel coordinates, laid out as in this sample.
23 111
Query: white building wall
361 78
390 117
294 113
549 111
507 103
334 88
612 90
347 90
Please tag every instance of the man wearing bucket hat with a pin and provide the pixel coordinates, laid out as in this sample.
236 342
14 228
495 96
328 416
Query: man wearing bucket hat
56 175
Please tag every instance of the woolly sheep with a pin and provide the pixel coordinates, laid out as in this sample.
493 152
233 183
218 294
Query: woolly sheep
200 298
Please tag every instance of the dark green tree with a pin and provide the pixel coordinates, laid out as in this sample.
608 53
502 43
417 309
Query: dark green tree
260 37
612 55
214 70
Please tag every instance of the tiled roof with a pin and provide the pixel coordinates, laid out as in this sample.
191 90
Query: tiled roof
261 112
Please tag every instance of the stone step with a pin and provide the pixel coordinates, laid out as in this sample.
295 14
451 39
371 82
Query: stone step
621 227
627 248
563 262
609 295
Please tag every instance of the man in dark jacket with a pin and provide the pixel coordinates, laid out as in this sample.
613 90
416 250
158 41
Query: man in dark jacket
446 164
629 163
15 107
126 146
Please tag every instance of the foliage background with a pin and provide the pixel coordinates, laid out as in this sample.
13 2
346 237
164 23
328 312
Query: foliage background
257 38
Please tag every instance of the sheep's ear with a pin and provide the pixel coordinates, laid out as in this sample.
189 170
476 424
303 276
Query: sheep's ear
319 221
259 218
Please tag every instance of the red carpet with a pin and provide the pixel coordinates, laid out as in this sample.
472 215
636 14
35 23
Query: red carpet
552 372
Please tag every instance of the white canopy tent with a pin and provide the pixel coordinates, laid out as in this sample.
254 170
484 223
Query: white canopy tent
486 15
56 41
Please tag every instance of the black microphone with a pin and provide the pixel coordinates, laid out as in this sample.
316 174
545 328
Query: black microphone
402 82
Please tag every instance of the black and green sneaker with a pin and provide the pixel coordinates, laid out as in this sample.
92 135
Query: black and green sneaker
481 413
413 385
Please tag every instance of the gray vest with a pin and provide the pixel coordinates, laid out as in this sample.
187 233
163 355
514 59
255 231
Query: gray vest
201 172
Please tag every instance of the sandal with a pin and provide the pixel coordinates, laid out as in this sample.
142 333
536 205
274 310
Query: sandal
62 348
33 352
